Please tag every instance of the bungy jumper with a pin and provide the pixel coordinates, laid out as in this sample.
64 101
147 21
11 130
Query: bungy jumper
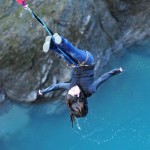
82 84
26 7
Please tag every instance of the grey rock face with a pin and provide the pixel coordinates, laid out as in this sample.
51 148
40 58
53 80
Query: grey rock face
102 27
2 94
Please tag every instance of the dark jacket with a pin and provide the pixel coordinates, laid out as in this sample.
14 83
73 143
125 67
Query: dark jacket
83 77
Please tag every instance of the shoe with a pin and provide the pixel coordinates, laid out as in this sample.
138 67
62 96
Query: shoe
57 38
46 45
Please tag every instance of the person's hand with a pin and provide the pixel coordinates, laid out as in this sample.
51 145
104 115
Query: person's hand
39 93
121 70
116 71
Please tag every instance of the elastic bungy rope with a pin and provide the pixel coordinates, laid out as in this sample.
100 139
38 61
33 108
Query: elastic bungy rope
47 29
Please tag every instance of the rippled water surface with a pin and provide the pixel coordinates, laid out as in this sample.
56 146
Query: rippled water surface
118 115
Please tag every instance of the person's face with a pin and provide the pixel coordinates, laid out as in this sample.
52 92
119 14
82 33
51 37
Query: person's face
74 91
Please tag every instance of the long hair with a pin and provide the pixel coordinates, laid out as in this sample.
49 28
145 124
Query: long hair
77 105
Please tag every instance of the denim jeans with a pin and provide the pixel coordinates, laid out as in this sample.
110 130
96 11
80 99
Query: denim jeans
72 52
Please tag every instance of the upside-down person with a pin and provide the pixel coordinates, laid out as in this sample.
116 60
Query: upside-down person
82 83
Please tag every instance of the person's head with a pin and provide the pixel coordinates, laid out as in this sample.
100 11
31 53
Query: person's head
77 104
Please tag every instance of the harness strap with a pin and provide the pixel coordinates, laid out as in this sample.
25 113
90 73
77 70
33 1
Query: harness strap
83 63
86 59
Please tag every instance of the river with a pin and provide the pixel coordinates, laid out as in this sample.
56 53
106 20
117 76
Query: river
118 116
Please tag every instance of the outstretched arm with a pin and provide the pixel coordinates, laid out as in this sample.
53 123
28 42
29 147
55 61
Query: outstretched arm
103 78
54 87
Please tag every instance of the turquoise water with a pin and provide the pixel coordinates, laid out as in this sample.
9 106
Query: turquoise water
118 115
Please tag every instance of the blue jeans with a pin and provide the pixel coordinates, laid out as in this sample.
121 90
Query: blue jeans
72 52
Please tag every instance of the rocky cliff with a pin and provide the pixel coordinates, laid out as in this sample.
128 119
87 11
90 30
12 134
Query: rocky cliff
102 27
